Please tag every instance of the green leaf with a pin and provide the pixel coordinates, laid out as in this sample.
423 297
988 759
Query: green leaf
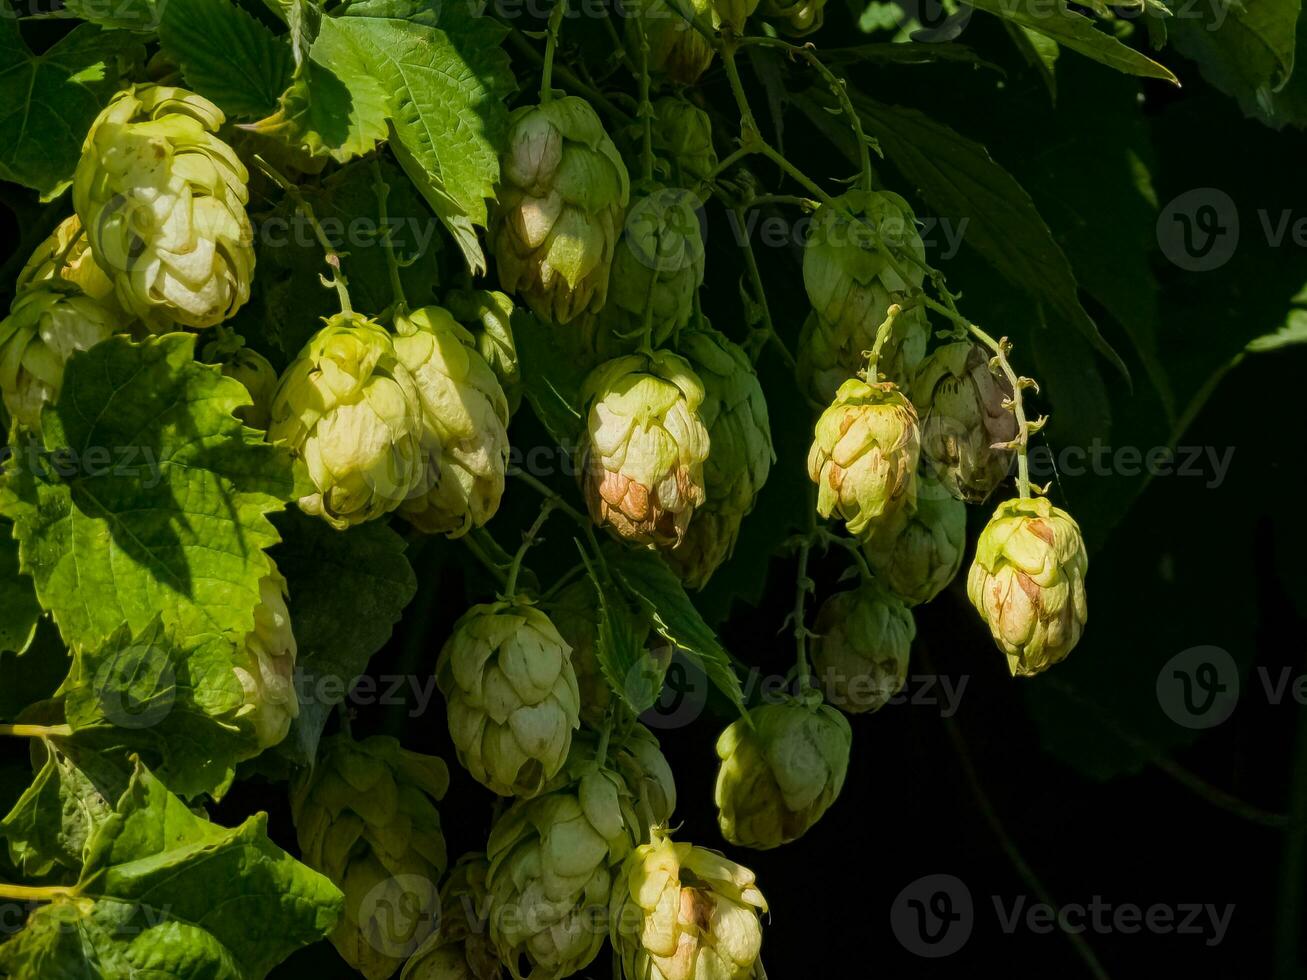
166 893
129 15
1245 49
226 55
674 615
148 499
957 176
174 704
1077 32
71 796
1293 332
19 610
551 376
48 101
347 591
1039 51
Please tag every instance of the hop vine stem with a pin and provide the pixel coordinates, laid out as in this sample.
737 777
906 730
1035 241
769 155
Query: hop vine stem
551 48
547 507
392 260
37 731
36 893
337 279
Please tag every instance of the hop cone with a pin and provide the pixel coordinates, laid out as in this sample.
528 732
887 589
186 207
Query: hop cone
351 410
658 266
860 653
1028 583
684 155
265 665
46 326
252 370
464 418
734 411
864 455
782 766
366 818
69 243
678 49
963 417
851 284
918 555
564 189
489 316
681 912
795 17
643 455
639 759
163 203
552 863
733 13
460 949
513 700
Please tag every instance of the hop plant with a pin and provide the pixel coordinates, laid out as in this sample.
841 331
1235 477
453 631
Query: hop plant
460 949
658 266
733 13
564 189
489 317
365 817
830 353
464 419
252 370
860 246
864 455
966 423
66 255
684 155
552 863
783 765
918 555
643 454
681 912
163 200
507 676
350 408
677 33
639 759
265 665
795 17
860 650
47 325
1028 583
734 411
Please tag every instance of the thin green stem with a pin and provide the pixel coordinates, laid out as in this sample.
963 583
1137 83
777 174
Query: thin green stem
563 506
760 294
37 731
749 131
646 106
731 160
619 46
36 893
528 539
332 256
570 79
392 261
551 48
472 544
849 545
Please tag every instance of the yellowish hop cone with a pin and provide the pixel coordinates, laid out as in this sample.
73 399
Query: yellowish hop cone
681 912
1028 583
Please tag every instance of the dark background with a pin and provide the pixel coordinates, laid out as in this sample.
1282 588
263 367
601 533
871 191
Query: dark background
1076 784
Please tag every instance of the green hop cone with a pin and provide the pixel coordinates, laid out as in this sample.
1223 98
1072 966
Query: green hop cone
643 455
460 949
265 665
552 864
163 202
366 818
829 354
507 676
795 17
851 284
47 325
351 410
734 411
489 316
561 198
684 155
860 651
678 34
639 759
864 455
783 765
681 912
733 13
964 420
1028 583
658 266
252 370
917 556
464 419
66 255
